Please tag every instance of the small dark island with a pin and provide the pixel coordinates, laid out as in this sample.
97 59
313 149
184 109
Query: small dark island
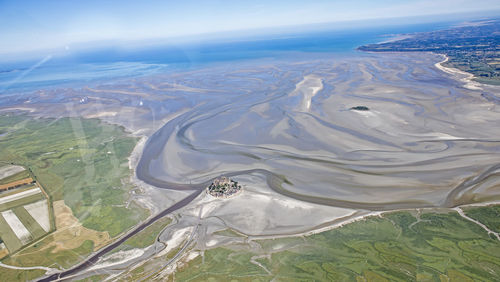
223 187
360 108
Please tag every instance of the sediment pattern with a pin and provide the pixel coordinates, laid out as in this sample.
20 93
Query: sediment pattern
426 141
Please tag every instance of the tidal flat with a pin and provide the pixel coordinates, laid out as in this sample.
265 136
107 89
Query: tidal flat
292 134
426 140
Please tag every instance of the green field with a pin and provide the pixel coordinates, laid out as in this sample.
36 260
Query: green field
17 207
45 256
400 246
21 202
147 236
31 224
15 177
81 161
35 256
488 217
11 241
20 275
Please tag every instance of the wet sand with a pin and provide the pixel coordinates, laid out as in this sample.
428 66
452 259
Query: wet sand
427 141
286 131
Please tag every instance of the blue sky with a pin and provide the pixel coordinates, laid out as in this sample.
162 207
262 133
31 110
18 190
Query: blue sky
26 26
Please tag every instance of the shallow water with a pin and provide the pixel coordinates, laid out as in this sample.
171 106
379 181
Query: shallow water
426 141
94 65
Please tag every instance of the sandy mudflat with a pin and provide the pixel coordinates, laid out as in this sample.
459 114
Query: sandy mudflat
424 135
428 139
286 131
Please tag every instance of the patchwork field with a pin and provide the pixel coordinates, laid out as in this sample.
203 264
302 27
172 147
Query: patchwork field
12 173
24 209
83 166
18 226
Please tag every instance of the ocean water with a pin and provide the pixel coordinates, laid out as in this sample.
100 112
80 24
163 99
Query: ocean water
94 66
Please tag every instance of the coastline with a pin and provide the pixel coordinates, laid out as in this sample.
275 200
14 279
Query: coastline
183 258
459 75
152 198
357 216
144 134
465 77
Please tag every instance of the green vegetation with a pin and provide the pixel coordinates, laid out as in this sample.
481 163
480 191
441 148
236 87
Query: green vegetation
474 49
488 216
40 254
227 233
11 241
399 246
81 161
147 236
22 201
18 190
29 222
94 278
18 176
20 275
114 219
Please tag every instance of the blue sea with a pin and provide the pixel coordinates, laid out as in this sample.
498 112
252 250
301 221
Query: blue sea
79 69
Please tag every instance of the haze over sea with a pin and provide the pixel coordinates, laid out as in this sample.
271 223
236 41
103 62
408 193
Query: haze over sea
96 64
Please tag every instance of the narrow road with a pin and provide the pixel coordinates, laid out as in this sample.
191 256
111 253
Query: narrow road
95 257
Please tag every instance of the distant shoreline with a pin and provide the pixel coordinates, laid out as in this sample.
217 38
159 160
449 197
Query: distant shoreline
468 78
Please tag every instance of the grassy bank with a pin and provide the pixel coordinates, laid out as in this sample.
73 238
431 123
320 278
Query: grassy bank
147 236
81 161
399 246
84 162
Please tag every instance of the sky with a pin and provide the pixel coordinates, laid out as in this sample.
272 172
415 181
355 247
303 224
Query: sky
27 26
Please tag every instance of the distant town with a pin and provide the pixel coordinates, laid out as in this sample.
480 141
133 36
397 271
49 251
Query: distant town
474 48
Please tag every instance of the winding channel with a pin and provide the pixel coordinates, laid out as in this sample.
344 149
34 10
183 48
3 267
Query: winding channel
349 150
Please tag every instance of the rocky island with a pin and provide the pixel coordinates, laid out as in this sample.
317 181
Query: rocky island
223 187
360 108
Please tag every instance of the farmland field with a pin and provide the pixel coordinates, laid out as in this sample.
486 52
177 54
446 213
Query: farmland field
18 227
15 177
81 163
76 168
